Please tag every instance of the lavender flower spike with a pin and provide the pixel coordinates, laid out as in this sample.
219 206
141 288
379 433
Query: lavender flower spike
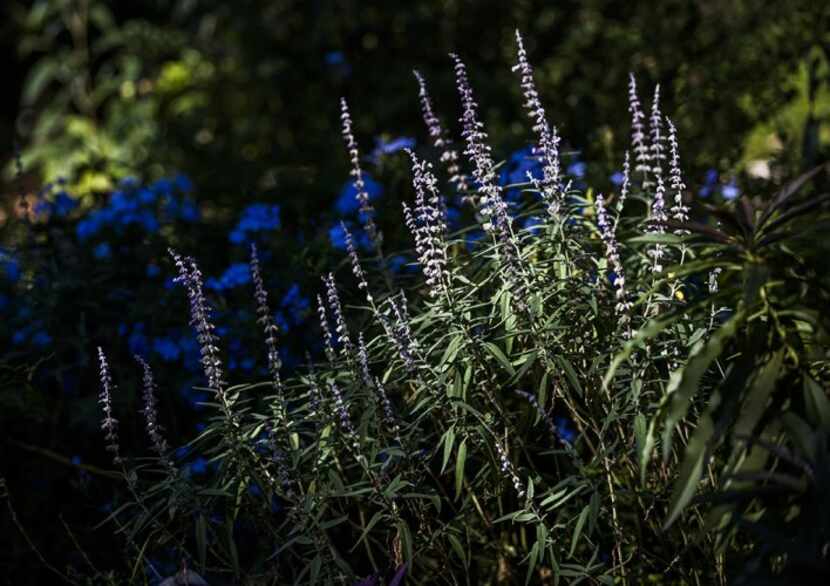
361 195
357 269
191 277
150 409
340 327
638 135
343 414
550 187
449 156
491 205
658 220
427 226
109 423
328 339
508 470
265 319
612 254
657 139
679 211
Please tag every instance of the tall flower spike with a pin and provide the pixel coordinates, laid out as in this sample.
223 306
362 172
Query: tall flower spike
357 269
109 424
490 203
642 156
657 155
657 221
427 226
626 185
550 186
191 277
612 254
438 134
362 196
328 339
150 409
396 324
336 308
266 321
508 470
343 414
271 331
679 211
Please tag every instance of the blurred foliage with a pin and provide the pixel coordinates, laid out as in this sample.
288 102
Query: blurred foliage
242 96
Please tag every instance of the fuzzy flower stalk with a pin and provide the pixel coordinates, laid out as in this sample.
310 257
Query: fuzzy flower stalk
395 319
340 328
639 140
492 206
150 410
658 139
427 226
109 424
657 220
362 196
679 211
271 331
191 277
550 186
612 254
357 268
508 470
438 134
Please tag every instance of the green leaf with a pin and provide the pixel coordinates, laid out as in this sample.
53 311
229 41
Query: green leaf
756 400
817 403
457 548
644 436
691 469
460 459
580 524
449 442
685 381
570 373
502 359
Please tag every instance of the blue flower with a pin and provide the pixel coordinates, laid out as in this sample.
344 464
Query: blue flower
183 183
12 271
137 341
88 227
19 337
335 58
167 349
577 169
337 237
516 169
347 201
64 204
295 304
41 339
384 147
235 275
153 270
102 251
730 191
565 429
256 218
617 178
198 466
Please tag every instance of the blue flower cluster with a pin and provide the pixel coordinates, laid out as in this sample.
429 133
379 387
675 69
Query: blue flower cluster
713 185
236 275
133 205
257 217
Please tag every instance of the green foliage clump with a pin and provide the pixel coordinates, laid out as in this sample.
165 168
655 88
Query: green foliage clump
545 406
